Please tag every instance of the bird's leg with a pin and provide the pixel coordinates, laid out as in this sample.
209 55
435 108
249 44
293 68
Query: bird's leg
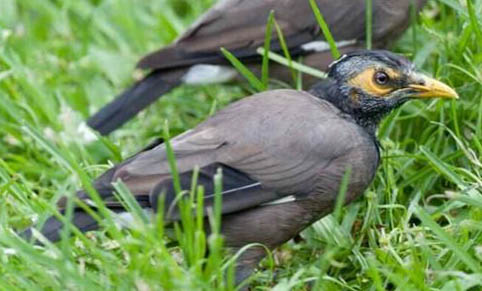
248 261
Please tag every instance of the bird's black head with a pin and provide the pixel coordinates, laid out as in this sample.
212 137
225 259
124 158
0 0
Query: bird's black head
369 84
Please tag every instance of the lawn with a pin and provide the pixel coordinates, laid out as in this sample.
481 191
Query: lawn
418 227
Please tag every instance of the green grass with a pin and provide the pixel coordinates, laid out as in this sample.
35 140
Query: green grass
418 227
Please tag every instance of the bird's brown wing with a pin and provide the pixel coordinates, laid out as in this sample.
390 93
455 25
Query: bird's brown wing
239 26
275 144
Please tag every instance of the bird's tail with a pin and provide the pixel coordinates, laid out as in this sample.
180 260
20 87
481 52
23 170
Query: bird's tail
53 226
134 99
84 222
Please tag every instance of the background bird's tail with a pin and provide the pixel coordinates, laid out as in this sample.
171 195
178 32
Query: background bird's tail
134 99
53 227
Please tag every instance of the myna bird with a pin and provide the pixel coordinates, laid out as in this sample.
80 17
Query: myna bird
239 26
283 153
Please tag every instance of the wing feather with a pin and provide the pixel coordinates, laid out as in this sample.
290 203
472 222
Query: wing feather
269 146
239 25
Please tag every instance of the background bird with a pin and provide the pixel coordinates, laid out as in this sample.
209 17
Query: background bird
283 154
239 26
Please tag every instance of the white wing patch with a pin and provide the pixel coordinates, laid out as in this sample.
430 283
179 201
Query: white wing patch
283 200
322 46
208 74
127 220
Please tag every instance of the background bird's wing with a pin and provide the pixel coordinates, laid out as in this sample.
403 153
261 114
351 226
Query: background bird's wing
239 26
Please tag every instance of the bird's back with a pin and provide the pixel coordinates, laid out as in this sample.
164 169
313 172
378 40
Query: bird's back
297 126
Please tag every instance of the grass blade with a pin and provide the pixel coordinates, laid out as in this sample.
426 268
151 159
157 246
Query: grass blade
413 20
286 51
326 31
124 195
443 168
297 66
340 200
171 159
368 23
244 71
267 45
473 21
447 240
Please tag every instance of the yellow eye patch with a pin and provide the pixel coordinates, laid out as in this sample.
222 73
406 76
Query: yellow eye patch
366 81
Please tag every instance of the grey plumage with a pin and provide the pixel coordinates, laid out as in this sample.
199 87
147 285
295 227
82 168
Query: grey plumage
301 146
259 146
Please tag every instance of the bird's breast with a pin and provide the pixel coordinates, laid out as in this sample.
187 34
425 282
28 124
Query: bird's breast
359 165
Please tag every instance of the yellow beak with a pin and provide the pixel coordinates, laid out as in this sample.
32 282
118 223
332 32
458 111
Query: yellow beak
433 89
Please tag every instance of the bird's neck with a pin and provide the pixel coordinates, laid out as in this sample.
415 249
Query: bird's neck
367 118
369 122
